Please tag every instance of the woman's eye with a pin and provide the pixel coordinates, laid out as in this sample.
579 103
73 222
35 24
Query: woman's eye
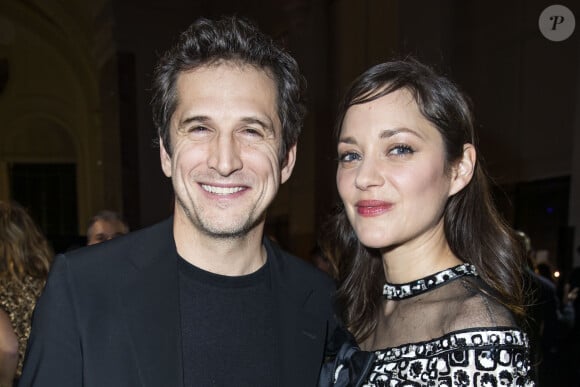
348 157
400 150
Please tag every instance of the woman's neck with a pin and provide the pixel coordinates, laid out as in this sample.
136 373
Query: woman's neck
418 258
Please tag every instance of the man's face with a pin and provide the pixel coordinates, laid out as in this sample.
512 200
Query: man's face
103 230
225 136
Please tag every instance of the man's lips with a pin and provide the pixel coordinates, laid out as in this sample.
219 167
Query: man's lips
372 207
222 190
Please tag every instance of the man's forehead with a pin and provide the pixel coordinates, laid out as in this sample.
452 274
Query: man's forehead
200 98
236 65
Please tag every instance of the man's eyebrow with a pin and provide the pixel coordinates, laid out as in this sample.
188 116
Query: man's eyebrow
251 120
266 124
188 120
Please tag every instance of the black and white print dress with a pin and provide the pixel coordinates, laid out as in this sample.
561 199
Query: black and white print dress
454 335
493 357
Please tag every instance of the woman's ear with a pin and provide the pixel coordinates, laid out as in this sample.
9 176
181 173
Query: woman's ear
462 171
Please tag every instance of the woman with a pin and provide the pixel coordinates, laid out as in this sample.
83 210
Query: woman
25 257
430 275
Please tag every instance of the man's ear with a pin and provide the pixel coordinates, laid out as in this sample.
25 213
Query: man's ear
165 159
288 165
462 171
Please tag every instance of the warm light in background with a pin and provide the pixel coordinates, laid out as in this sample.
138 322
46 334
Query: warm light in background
556 274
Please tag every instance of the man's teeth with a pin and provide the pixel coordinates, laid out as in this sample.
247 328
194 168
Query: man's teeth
221 190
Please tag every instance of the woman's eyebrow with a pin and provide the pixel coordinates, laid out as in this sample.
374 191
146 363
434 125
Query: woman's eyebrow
392 132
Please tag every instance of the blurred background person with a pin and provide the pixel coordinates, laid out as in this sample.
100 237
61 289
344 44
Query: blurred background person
550 319
25 257
105 225
571 344
545 270
8 351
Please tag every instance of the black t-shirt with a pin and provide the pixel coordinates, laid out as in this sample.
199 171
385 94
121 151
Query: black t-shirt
229 335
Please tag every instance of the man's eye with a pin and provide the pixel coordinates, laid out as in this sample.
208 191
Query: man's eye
253 132
198 129
400 150
348 157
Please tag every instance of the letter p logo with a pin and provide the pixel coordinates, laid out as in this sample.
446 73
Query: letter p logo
556 23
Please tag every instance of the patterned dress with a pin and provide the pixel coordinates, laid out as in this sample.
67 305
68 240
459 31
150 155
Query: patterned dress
453 334
18 301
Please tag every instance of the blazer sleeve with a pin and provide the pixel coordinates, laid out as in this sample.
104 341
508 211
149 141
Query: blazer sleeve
54 353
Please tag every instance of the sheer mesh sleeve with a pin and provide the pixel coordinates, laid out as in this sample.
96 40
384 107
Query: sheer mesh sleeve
459 304
446 331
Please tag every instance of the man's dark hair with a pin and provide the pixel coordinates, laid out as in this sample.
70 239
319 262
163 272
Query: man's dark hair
231 39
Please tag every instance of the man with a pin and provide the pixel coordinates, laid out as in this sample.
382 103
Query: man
105 225
202 299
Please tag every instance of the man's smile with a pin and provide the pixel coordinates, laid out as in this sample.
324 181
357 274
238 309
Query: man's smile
221 190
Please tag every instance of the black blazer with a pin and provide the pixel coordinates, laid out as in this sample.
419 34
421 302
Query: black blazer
109 316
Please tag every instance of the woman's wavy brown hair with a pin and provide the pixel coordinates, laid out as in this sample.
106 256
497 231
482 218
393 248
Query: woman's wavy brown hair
24 251
474 229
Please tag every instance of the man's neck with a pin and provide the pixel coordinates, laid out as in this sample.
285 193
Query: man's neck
234 256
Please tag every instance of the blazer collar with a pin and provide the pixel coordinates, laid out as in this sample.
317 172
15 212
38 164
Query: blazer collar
151 301
301 324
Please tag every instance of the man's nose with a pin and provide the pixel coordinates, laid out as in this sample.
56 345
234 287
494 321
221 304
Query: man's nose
225 155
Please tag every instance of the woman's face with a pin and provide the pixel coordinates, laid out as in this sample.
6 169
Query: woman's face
392 175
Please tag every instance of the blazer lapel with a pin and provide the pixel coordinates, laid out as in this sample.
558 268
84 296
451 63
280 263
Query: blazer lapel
151 301
302 327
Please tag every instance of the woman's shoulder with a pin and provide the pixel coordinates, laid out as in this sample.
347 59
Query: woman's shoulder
473 306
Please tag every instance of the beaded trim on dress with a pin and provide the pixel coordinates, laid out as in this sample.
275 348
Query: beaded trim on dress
410 289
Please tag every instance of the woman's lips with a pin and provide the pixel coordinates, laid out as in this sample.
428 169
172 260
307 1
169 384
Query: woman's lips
372 207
